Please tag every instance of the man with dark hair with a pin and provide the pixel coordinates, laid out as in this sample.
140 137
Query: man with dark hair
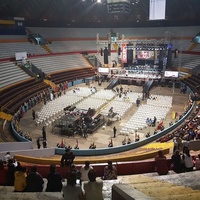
110 171
34 181
54 179
68 158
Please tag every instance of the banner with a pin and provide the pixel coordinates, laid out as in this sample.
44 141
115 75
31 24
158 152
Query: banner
124 53
157 9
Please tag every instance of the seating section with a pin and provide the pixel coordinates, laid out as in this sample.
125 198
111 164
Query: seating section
51 64
8 50
72 75
10 74
158 108
71 46
13 97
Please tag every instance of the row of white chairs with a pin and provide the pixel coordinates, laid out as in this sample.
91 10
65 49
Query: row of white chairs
119 107
138 119
104 94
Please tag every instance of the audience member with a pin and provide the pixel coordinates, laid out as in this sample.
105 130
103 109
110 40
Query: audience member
68 158
93 189
34 181
92 146
3 173
84 171
73 189
54 179
11 171
176 162
187 160
197 162
20 178
110 171
7 157
161 163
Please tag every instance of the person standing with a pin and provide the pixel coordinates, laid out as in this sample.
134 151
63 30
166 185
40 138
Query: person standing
44 134
38 143
33 114
68 158
114 131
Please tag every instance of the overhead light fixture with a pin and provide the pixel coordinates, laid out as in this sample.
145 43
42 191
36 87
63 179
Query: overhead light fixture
98 1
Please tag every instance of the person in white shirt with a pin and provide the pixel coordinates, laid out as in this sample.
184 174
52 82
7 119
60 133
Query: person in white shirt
7 157
92 190
84 171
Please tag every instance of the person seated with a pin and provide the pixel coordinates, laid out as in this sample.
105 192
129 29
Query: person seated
176 162
93 189
137 137
54 179
73 189
129 140
161 163
34 181
92 146
20 178
3 173
110 143
148 134
197 162
84 171
110 171
124 141
187 160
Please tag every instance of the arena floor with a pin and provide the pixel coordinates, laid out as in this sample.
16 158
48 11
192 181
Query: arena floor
102 136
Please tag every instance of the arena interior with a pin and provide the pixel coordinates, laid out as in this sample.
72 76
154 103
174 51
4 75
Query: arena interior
73 71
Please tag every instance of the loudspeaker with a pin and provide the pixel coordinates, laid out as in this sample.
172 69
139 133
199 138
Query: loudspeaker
176 53
119 50
106 56
101 52
109 49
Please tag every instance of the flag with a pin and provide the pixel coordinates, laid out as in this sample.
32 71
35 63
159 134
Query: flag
157 9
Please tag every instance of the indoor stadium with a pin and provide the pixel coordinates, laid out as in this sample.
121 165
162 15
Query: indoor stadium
100 99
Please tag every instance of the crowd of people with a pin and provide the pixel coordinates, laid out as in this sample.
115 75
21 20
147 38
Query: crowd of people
79 184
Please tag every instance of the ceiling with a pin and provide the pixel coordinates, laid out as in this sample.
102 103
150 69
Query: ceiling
90 13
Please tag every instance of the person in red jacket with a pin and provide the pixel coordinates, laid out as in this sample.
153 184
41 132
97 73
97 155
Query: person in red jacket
3 173
161 163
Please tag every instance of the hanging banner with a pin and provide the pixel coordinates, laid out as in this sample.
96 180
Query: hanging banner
124 53
157 9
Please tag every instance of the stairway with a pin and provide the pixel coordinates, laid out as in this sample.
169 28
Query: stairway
192 46
50 83
168 187
6 116
46 48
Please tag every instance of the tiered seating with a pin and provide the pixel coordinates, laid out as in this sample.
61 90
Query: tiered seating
193 82
193 63
10 73
72 75
9 49
71 46
185 60
13 97
58 63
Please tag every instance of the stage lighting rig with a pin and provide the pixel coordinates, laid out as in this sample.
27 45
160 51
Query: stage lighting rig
118 6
